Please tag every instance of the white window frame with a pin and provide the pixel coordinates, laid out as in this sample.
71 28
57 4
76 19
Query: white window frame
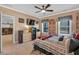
70 28
43 28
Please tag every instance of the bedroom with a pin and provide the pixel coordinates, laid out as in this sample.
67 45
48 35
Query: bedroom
63 20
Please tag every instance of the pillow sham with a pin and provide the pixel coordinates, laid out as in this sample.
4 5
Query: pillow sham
77 36
61 38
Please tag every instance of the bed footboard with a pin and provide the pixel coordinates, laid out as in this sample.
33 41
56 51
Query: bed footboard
42 50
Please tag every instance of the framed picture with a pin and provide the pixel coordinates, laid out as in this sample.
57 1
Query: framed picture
7 31
21 20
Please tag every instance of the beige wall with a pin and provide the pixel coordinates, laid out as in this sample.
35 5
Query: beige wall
74 15
19 26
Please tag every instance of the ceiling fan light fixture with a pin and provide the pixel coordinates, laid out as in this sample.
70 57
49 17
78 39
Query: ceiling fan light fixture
44 8
43 11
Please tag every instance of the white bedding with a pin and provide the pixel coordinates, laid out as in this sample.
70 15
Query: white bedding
54 38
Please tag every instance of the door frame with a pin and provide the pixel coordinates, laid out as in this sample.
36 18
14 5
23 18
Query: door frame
1 32
13 35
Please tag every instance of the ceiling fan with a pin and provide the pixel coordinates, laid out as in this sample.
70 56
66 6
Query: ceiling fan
44 8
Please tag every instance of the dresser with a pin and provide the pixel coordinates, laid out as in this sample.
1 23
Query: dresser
26 36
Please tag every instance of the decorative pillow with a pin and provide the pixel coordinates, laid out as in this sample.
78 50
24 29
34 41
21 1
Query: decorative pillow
46 37
73 35
77 36
39 37
61 38
49 36
42 36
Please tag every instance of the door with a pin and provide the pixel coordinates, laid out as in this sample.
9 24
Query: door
33 33
20 36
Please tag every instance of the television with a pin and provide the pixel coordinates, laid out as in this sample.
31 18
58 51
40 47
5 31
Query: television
30 22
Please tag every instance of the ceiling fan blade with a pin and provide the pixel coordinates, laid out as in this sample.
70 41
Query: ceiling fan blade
37 11
38 7
49 10
48 5
43 7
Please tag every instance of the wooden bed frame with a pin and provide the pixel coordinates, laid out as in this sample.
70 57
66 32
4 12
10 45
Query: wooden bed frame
36 47
41 50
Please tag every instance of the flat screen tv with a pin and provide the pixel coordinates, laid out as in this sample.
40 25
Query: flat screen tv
30 22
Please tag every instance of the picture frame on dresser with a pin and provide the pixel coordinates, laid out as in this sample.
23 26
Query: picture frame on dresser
21 20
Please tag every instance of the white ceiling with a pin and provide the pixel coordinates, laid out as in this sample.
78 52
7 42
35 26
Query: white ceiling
30 9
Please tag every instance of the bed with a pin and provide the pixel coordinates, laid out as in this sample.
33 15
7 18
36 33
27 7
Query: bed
53 46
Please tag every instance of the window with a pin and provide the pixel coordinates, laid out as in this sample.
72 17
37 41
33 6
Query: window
45 26
64 25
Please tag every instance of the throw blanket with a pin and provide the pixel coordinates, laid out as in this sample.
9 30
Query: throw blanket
50 46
